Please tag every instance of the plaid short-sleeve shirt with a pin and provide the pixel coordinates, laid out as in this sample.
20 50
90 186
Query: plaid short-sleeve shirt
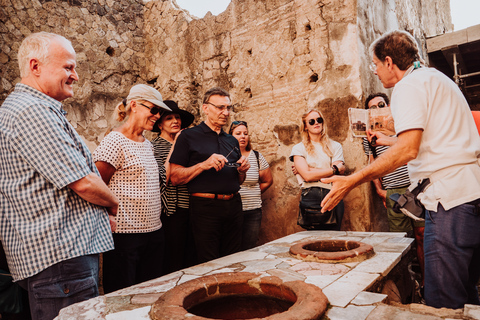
42 220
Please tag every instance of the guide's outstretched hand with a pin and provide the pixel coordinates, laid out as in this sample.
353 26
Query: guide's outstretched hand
341 186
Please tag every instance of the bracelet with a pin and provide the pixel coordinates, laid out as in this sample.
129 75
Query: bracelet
335 170
241 173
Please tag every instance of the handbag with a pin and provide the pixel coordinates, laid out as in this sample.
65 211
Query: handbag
408 203
310 215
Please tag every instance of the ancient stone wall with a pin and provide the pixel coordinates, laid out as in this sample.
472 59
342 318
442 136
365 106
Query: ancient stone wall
278 59
108 38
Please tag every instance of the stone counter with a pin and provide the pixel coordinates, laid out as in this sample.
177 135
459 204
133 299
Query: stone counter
344 284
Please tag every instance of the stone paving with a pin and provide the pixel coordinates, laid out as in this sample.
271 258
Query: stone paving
344 284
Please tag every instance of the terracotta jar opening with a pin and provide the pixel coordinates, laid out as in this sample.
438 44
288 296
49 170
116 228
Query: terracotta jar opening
331 246
332 251
239 306
241 295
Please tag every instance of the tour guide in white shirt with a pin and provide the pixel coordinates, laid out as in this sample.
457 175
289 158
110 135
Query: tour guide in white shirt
438 138
53 224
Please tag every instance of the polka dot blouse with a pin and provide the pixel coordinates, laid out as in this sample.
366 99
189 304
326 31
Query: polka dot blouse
135 182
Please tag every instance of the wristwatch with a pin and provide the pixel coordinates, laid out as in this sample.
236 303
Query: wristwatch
335 170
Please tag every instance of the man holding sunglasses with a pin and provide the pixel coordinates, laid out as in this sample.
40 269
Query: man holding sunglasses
437 137
209 161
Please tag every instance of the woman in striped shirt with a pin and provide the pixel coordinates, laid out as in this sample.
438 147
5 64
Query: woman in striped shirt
175 199
259 178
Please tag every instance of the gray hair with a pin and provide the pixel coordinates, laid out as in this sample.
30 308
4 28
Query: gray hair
37 45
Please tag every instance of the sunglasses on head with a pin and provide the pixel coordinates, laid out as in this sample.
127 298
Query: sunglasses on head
153 110
319 120
239 123
381 104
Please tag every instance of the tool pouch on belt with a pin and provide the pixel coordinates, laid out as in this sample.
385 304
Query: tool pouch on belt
408 203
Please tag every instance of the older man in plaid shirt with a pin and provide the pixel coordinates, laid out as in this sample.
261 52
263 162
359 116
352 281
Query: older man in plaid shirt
53 203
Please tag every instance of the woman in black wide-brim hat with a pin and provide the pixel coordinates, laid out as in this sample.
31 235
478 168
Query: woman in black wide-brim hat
175 199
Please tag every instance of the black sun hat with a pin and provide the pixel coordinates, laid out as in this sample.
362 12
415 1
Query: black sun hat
186 117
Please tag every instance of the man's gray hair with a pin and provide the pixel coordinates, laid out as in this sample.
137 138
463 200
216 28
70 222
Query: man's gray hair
36 45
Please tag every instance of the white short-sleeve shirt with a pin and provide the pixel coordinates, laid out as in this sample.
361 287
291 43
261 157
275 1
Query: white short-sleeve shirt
318 160
426 99
135 182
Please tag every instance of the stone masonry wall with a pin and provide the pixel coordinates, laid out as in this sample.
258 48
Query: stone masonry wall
108 38
278 59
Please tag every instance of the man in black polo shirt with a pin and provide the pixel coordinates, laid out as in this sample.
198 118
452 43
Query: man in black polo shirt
209 161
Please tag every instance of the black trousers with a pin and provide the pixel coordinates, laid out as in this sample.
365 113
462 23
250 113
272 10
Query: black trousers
137 257
179 244
216 226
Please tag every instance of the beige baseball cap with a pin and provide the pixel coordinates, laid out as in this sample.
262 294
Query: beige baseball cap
147 93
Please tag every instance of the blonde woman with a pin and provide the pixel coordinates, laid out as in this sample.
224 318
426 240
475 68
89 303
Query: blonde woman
127 164
317 157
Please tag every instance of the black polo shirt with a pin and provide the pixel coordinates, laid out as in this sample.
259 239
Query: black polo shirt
196 145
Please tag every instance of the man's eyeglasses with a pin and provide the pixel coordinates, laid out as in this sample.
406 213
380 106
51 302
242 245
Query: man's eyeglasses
319 120
381 104
373 67
232 164
153 110
221 108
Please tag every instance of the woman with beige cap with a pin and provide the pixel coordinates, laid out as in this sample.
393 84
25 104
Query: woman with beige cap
127 164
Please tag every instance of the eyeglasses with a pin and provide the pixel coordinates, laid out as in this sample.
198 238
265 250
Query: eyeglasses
312 121
232 164
381 104
373 67
221 108
153 110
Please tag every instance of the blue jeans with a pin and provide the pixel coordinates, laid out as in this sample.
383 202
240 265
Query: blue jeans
61 285
252 219
452 256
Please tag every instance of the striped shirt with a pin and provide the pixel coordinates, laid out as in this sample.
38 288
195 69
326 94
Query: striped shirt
250 189
396 179
172 196
42 221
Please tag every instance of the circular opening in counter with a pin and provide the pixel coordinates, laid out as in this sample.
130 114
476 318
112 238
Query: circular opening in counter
240 307
240 296
332 251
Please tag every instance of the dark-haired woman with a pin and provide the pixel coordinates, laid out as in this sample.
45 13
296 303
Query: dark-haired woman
179 251
317 157
258 180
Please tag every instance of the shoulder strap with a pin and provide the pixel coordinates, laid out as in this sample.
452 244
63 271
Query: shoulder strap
258 158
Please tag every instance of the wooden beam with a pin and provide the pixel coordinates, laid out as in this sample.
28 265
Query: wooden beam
447 40
453 38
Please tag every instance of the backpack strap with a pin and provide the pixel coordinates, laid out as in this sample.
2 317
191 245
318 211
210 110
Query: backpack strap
258 158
